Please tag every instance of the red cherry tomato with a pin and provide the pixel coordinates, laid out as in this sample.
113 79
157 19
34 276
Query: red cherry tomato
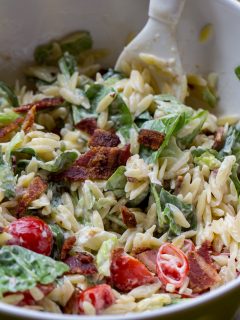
188 246
127 272
31 233
100 296
172 265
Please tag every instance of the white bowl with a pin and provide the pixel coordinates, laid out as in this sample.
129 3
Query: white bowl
27 23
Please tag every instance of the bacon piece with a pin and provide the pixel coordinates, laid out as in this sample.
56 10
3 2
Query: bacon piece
29 120
148 258
88 125
67 246
81 263
98 163
151 138
33 192
10 128
40 105
218 139
128 217
202 274
103 138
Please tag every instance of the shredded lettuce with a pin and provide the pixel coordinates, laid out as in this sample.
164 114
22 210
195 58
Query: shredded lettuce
75 44
103 258
166 222
191 128
169 125
7 179
232 142
7 94
14 144
208 158
61 162
116 183
22 269
67 64
58 237
237 72
7 117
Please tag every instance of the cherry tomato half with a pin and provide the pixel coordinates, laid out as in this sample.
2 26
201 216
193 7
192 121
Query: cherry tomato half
31 233
100 296
127 272
172 265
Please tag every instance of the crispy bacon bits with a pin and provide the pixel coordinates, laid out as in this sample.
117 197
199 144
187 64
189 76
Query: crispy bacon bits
103 138
202 274
10 128
67 246
40 105
88 125
81 263
218 139
98 163
29 120
33 192
128 217
151 138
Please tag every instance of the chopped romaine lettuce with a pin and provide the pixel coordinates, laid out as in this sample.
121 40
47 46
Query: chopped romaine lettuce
116 183
208 158
191 128
67 64
8 95
58 238
23 269
235 177
7 117
103 258
166 220
61 162
169 125
237 72
7 179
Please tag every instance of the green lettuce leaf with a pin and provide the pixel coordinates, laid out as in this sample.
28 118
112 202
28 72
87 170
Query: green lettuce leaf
23 269
112 76
75 44
7 117
208 158
166 222
61 162
14 144
7 179
235 178
232 142
169 125
191 128
67 64
58 240
7 94
121 116
237 72
103 258
168 104
116 183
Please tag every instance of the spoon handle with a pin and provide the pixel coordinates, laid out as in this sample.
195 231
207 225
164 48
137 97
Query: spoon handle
167 11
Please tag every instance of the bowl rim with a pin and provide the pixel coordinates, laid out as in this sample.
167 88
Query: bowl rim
164 311
215 294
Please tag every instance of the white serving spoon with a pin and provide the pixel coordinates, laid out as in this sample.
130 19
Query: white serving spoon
157 44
